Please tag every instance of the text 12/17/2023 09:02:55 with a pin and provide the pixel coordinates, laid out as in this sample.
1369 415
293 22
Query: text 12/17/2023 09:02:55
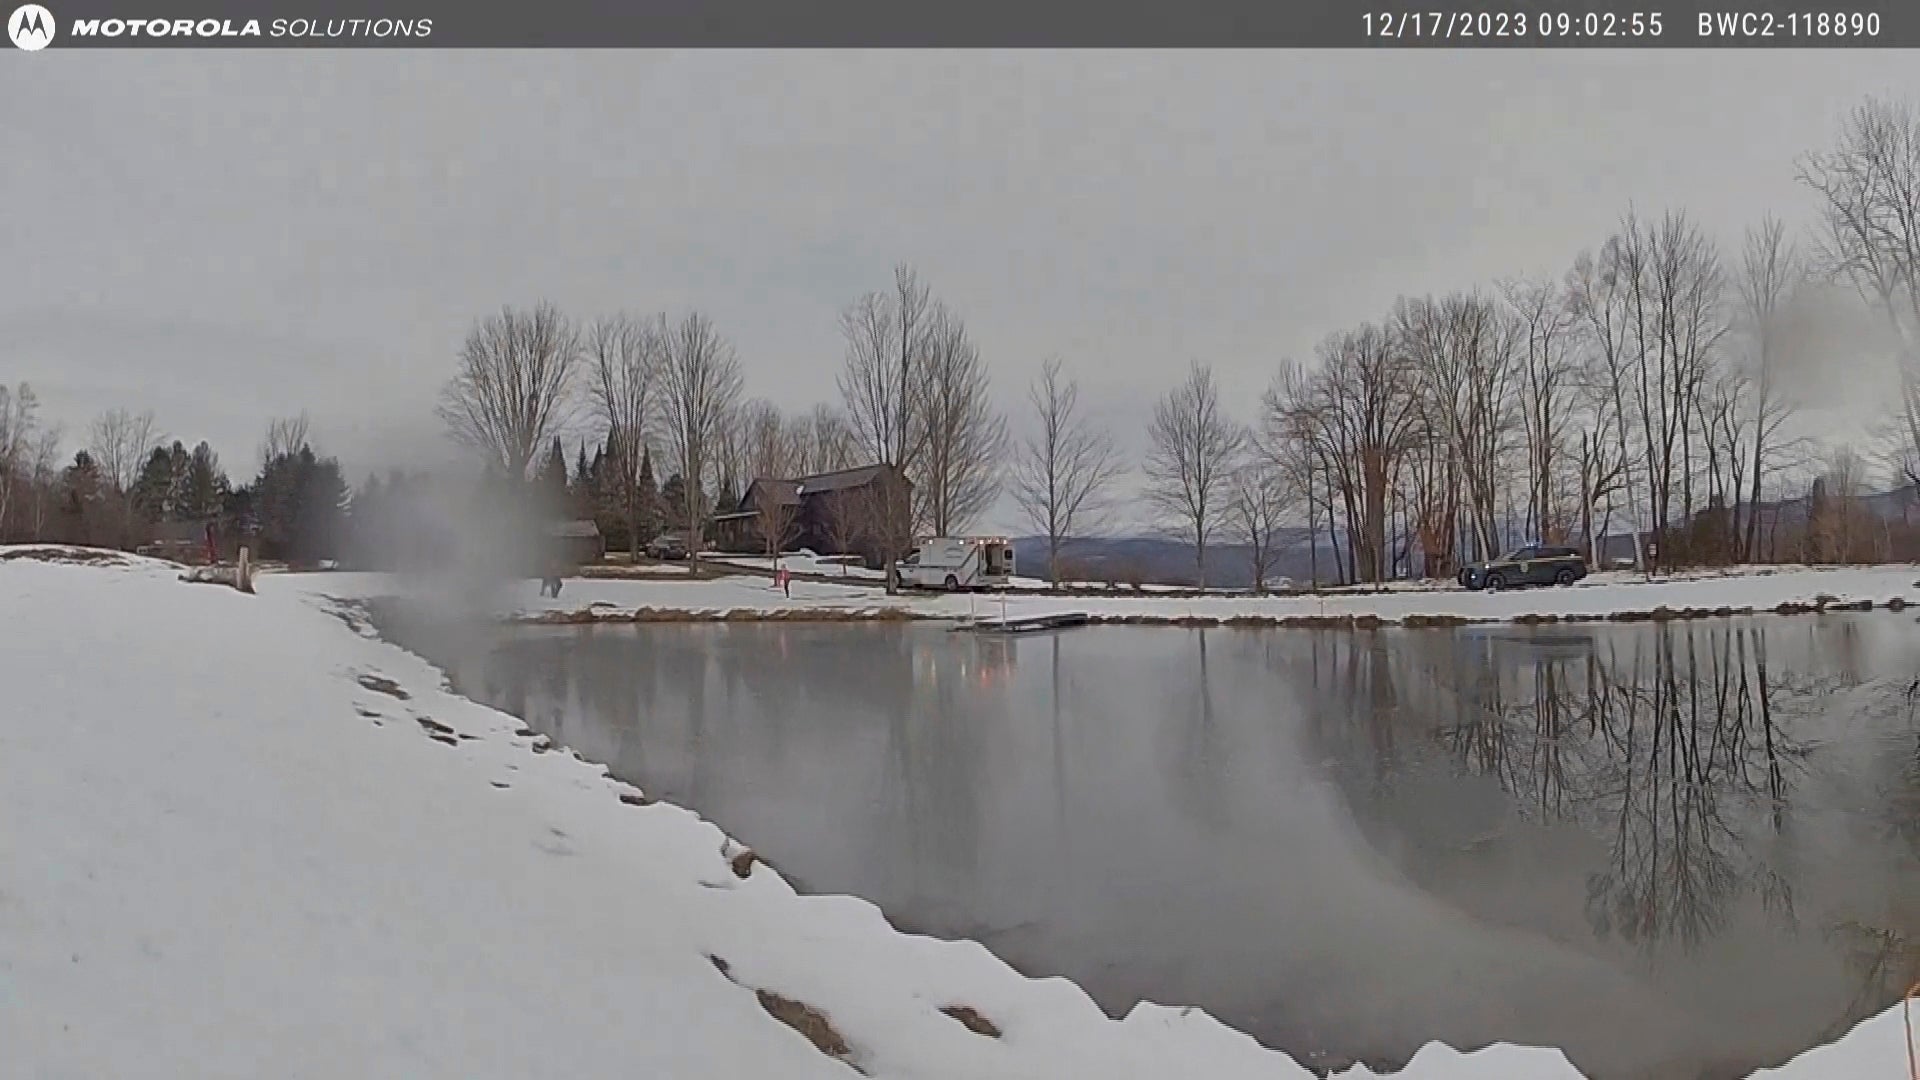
1621 27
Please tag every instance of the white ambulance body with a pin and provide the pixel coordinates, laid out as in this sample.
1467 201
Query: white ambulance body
959 562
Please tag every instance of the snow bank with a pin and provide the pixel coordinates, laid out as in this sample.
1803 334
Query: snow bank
1610 597
244 836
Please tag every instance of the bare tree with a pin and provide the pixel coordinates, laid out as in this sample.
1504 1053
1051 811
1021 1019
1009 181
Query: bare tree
1258 501
284 438
1065 468
958 473
19 419
1834 519
1462 354
43 473
1675 296
624 358
772 443
1714 537
1602 472
848 518
796 444
1548 385
1869 186
777 516
830 441
1361 412
888 337
1188 468
1299 436
700 386
120 442
1771 275
1598 291
731 458
513 389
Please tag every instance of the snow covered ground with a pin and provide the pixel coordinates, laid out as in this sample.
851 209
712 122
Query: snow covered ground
798 562
243 837
1593 599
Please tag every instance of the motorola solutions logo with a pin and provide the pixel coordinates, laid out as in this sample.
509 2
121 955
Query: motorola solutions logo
31 27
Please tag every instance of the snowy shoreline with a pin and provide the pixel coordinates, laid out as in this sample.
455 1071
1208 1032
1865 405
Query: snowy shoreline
1609 597
254 798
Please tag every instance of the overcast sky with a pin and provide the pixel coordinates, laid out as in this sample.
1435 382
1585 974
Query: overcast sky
223 237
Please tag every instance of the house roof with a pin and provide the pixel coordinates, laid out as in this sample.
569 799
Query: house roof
581 529
785 492
782 492
841 480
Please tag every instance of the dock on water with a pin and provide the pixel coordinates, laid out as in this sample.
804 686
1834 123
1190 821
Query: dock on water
1029 624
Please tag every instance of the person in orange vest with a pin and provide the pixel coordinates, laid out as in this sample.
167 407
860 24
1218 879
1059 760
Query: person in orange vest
783 580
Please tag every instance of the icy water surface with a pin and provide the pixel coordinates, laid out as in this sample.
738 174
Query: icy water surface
1676 850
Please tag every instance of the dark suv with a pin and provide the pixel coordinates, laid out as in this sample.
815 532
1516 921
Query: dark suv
1536 565
669 546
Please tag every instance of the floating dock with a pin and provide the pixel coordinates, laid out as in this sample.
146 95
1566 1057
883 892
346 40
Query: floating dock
1030 624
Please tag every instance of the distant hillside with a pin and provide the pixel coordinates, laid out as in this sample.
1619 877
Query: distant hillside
1168 561
1897 505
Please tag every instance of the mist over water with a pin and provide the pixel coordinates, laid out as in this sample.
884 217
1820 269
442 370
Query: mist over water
458 549
1676 850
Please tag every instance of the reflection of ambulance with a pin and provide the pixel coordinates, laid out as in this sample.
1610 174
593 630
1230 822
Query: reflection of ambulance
954 563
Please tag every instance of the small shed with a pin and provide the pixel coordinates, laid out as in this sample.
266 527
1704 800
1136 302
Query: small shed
577 542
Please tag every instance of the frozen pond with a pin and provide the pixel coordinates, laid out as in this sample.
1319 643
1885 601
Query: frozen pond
1676 850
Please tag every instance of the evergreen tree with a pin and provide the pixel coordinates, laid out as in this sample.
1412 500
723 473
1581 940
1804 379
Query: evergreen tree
598 482
320 510
553 479
649 501
238 521
300 502
725 499
586 486
205 489
82 490
152 492
179 466
673 492
366 541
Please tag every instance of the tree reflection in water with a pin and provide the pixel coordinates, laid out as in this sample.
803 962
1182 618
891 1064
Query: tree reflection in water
1886 951
1712 825
1674 744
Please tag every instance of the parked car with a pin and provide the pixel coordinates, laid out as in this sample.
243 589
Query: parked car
668 545
1538 564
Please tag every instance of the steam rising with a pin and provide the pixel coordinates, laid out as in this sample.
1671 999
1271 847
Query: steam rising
459 549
